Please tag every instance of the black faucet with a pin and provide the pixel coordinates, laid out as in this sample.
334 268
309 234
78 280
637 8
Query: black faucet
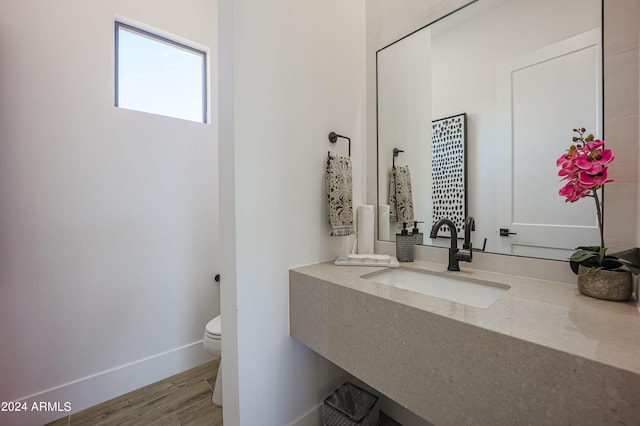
469 225
455 255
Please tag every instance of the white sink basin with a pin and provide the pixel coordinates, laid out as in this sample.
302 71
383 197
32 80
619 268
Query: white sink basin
461 290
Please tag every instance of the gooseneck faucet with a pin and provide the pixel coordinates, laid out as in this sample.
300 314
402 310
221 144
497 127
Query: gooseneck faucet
469 225
456 255
453 261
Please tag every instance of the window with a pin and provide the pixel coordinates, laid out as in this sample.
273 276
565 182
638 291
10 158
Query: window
158 75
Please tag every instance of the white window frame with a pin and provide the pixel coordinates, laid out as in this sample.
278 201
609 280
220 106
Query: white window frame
118 24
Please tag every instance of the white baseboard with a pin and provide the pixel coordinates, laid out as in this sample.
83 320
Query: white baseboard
83 393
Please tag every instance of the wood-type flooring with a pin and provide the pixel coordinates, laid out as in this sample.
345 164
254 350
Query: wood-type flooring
180 400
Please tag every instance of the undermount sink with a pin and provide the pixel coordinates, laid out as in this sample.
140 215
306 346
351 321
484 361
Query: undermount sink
456 289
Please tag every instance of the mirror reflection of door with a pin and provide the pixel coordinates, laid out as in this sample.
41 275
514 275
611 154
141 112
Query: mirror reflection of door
534 128
456 61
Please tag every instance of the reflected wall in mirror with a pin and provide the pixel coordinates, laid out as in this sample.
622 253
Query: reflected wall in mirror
525 72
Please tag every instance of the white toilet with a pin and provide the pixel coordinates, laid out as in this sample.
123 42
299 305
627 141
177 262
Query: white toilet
212 343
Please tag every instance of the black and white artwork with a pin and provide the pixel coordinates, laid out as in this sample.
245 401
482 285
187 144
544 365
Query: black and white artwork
448 172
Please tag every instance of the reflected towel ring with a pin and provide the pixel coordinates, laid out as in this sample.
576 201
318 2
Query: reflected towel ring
396 151
333 137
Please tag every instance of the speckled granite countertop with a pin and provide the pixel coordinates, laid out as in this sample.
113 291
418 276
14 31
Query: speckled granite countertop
541 339
543 312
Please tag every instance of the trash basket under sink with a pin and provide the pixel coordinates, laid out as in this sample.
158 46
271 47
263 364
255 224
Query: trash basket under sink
350 405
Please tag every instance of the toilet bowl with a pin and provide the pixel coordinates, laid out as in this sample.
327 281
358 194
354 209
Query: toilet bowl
212 342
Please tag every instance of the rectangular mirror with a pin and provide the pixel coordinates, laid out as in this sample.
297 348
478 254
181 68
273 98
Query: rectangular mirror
523 74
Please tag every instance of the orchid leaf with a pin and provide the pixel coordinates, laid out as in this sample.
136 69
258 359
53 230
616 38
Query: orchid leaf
610 263
594 256
631 255
574 266
630 259
634 269
582 255
601 254
589 248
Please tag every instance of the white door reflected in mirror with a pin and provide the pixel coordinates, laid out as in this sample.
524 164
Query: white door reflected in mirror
456 66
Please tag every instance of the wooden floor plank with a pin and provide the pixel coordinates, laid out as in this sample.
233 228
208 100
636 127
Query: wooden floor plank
64 421
186 395
180 400
202 413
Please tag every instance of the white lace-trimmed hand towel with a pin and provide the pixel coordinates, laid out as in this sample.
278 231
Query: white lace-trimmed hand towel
339 194
400 196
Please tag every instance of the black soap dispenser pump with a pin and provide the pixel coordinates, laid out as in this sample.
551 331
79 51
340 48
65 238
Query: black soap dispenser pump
404 245
418 237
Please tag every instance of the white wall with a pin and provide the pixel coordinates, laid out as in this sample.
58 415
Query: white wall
291 72
636 127
108 217
404 91
621 111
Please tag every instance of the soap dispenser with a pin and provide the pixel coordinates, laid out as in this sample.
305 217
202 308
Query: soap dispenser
404 245
418 237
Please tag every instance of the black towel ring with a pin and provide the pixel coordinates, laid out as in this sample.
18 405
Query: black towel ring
396 151
333 137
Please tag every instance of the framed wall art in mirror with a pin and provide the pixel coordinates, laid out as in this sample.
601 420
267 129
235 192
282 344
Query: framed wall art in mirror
448 171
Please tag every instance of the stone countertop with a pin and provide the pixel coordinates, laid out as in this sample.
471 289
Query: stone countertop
546 313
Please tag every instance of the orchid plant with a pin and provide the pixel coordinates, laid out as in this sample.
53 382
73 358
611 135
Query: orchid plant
584 167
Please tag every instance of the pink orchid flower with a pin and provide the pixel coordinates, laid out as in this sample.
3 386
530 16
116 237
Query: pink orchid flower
593 145
584 167
567 158
587 160
569 171
573 192
590 179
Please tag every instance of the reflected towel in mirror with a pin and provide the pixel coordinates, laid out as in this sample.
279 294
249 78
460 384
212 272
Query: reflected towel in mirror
339 194
400 197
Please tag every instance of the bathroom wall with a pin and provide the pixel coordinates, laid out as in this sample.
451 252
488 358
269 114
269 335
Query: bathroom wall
621 27
290 72
636 126
108 217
